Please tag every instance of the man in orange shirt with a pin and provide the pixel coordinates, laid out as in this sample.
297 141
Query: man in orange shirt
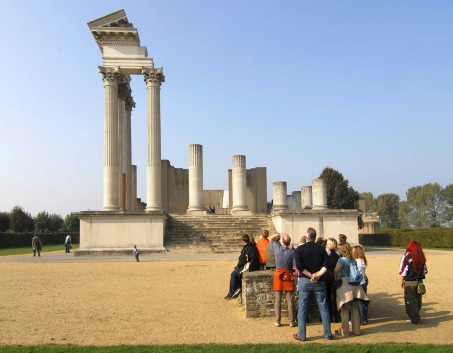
261 246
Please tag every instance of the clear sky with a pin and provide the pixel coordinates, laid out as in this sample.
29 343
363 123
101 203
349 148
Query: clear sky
365 87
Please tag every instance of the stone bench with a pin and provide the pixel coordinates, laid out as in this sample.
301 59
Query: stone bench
257 297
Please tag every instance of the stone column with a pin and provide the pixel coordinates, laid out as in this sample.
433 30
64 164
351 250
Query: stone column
134 188
196 180
279 196
111 158
306 197
153 78
296 200
122 95
130 199
239 185
319 192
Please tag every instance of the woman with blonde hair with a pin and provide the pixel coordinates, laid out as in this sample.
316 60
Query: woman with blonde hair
348 295
359 256
331 293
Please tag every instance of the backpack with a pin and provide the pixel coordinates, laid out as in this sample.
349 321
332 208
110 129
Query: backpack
355 276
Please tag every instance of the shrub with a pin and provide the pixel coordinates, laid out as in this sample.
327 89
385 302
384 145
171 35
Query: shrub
441 238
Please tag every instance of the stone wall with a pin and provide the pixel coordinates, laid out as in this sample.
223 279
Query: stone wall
257 297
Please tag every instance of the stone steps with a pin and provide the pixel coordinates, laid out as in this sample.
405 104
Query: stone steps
213 233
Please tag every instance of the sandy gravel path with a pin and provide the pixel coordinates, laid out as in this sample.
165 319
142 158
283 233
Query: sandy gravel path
61 299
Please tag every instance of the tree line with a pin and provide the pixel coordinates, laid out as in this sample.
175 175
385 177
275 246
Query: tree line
20 221
427 206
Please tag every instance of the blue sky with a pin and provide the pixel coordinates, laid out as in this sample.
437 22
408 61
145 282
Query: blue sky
365 87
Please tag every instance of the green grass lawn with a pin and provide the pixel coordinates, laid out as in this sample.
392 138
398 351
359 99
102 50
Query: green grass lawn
28 250
248 348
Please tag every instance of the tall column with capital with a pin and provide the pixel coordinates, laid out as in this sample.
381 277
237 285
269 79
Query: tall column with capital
196 180
111 160
319 194
279 189
130 200
153 78
239 184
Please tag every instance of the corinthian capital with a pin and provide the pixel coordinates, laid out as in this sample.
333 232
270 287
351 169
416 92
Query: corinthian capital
130 104
152 75
110 75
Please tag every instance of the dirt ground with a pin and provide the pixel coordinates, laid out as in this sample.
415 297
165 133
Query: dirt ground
181 302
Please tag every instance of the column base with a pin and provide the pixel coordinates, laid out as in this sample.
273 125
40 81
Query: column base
154 210
196 212
240 212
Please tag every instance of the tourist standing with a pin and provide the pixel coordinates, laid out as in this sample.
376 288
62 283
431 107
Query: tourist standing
413 270
311 262
36 245
283 277
249 254
261 245
332 257
136 253
359 256
348 295
68 244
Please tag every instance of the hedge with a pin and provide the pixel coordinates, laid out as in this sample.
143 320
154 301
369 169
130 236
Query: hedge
435 238
21 240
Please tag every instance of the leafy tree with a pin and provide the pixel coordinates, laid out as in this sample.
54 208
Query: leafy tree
45 222
4 221
370 202
42 222
424 206
447 198
339 194
402 215
387 206
56 223
71 223
21 221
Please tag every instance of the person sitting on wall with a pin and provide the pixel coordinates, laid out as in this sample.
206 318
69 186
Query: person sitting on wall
249 254
261 246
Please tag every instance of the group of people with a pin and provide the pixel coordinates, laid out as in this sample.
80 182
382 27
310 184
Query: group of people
324 268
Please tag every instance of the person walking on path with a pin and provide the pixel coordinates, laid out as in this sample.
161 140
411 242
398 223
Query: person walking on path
68 243
136 254
36 245
283 277
311 262
413 270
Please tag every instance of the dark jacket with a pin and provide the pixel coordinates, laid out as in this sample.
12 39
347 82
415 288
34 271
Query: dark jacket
250 254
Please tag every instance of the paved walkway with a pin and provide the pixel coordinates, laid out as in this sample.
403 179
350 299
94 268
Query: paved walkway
62 257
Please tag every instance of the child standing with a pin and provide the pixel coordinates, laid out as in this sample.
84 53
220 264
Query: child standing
136 253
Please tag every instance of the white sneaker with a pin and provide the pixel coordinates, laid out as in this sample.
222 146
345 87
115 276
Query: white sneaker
277 323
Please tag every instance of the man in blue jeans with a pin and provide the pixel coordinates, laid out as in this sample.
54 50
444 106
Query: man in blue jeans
311 263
